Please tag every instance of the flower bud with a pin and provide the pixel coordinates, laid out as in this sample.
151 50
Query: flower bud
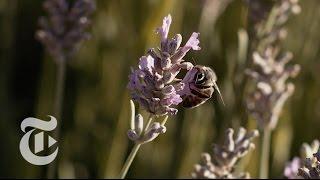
186 65
138 124
153 132
174 44
132 135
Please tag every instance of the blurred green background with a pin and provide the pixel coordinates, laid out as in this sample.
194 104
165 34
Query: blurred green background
96 106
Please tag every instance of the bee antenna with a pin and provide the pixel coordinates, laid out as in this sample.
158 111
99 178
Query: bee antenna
217 88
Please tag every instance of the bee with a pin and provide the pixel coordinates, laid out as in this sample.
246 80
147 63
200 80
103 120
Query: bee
199 85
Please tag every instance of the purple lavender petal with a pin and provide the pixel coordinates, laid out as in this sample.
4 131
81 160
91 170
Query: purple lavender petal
134 81
291 169
146 63
193 42
164 30
173 99
176 99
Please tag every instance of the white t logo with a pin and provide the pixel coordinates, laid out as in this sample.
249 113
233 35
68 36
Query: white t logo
25 151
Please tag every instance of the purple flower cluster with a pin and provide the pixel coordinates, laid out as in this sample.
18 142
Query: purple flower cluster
222 162
65 27
307 151
311 168
137 135
272 89
154 84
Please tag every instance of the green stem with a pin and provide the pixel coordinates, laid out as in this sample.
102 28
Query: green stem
164 120
129 160
149 122
58 104
265 154
133 153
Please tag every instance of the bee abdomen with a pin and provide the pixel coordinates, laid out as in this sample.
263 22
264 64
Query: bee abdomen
192 101
200 94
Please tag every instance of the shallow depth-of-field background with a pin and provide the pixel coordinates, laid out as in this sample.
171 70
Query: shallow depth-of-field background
96 106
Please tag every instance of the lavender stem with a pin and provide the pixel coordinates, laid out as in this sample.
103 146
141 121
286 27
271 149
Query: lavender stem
58 104
265 153
133 152
129 160
149 122
164 120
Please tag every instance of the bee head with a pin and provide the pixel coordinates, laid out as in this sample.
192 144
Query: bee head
204 76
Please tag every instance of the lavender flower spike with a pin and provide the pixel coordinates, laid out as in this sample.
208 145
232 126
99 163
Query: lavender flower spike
153 84
65 28
306 152
222 162
311 168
